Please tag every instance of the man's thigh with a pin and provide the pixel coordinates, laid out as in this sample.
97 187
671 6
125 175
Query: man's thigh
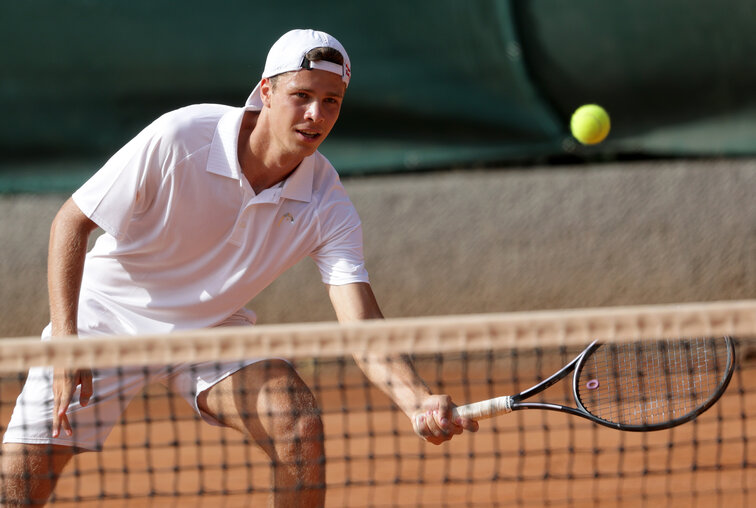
252 397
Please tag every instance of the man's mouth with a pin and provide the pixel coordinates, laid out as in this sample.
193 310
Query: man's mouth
309 134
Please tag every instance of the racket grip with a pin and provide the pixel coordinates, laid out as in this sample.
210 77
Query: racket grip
484 409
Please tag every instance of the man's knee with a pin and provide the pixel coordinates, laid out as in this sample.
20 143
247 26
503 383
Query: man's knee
290 412
285 394
308 430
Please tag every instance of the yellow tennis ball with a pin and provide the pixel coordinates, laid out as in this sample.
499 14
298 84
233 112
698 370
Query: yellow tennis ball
590 124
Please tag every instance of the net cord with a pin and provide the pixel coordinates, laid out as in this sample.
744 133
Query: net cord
390 336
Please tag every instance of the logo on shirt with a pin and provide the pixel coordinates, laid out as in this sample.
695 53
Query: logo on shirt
286 216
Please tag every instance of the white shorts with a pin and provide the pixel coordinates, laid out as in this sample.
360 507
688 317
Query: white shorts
113 389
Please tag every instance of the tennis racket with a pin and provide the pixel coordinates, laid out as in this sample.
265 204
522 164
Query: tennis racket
636 386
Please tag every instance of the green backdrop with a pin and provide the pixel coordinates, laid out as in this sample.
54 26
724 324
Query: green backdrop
441 83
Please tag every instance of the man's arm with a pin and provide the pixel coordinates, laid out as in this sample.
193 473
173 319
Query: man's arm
395 375
65 265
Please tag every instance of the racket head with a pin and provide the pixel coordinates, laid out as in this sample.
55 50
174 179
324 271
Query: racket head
652 385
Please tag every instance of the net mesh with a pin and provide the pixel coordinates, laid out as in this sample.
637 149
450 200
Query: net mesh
160 453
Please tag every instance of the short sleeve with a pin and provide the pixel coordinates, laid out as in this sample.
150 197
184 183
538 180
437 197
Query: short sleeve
112 196
340 256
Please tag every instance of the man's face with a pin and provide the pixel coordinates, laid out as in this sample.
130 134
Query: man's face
304 106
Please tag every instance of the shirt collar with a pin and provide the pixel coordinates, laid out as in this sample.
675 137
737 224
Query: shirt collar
223 159
298 185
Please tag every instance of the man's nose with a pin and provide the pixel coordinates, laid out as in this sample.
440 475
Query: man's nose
314 112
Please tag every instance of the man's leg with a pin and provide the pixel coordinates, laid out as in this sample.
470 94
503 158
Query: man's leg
269 402
30 472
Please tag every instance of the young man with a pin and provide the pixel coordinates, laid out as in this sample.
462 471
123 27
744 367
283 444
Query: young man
200 212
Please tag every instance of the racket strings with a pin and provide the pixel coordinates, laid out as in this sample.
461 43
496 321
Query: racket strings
651 382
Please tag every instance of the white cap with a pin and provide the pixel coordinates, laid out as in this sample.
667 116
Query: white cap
289 54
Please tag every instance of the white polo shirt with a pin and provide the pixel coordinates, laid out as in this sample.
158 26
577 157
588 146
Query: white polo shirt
187 242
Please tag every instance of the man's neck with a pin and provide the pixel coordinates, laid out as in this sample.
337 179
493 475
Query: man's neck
262 167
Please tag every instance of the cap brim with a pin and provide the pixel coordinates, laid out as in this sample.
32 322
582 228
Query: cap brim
254 102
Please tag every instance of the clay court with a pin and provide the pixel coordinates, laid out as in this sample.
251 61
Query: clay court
161 455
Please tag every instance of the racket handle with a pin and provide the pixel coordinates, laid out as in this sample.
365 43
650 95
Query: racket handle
484 409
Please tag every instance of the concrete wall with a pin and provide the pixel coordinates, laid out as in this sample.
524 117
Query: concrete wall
488 241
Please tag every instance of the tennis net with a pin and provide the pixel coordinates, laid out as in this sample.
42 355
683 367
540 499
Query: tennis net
161 454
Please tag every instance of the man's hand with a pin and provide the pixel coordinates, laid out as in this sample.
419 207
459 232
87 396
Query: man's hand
64 386
433 421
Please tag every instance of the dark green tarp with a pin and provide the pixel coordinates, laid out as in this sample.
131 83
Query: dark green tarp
436 83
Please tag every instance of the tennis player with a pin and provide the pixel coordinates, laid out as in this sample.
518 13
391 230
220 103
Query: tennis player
201 211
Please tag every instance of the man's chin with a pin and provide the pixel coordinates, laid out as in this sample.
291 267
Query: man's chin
309 148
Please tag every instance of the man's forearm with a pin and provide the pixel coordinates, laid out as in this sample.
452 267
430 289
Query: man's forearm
396 376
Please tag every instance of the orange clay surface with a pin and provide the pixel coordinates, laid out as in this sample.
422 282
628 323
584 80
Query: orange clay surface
527 458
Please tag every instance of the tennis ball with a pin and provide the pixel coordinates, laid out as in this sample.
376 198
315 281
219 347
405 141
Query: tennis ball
590 124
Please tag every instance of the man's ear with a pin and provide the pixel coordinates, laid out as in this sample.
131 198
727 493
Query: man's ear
266 90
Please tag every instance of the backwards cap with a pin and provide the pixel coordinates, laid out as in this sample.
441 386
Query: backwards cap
289 53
